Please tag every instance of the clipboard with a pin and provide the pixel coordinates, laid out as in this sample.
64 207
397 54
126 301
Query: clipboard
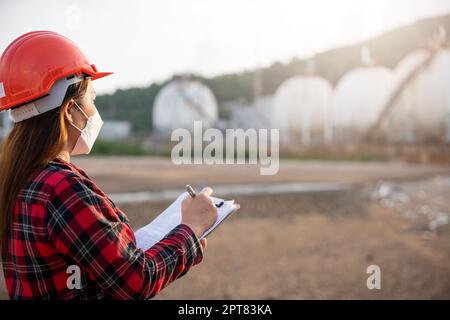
166 221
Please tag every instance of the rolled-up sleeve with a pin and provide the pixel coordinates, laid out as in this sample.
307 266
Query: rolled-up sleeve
85 227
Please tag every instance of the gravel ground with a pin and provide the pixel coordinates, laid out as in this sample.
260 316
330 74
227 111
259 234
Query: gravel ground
307 246
315 247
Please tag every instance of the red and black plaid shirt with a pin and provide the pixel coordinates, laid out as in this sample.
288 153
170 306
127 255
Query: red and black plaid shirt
61 219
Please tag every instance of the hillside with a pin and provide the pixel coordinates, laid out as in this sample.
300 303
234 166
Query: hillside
387 49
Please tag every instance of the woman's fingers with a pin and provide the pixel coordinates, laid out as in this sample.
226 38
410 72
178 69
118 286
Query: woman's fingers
207 191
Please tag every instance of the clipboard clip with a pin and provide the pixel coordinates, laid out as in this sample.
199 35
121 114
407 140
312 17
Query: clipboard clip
220 204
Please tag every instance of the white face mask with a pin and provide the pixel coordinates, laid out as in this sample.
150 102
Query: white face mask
89 134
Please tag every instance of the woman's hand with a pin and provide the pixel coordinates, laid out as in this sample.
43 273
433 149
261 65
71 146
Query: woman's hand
199 213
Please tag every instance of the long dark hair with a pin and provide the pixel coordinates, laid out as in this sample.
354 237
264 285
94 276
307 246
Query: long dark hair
30 145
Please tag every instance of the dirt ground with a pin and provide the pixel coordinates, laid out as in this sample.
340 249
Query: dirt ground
307 245
130 174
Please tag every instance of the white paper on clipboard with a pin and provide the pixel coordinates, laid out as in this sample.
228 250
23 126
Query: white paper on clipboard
156 230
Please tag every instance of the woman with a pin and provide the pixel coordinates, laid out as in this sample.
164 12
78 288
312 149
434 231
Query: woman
53 218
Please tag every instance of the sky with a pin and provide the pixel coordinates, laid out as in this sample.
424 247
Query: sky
143 41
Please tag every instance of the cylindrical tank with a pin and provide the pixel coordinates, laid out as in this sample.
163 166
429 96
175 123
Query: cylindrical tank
420 112
357 101
301 110
181 102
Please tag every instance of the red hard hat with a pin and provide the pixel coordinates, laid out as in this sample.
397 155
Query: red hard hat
33 62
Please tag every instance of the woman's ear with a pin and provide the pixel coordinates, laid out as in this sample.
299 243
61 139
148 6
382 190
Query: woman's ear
67 111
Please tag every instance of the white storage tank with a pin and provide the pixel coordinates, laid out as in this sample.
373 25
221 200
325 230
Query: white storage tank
115 130
357 101
301 110
254 115
420 112
181 102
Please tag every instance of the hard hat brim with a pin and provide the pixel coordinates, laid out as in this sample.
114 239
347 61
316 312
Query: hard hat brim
99 75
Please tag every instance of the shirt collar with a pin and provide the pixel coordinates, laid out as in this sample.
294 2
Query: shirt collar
70 166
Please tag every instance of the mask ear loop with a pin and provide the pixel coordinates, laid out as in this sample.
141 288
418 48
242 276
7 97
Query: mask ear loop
82 113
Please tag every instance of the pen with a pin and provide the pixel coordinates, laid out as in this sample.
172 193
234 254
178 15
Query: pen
191 191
